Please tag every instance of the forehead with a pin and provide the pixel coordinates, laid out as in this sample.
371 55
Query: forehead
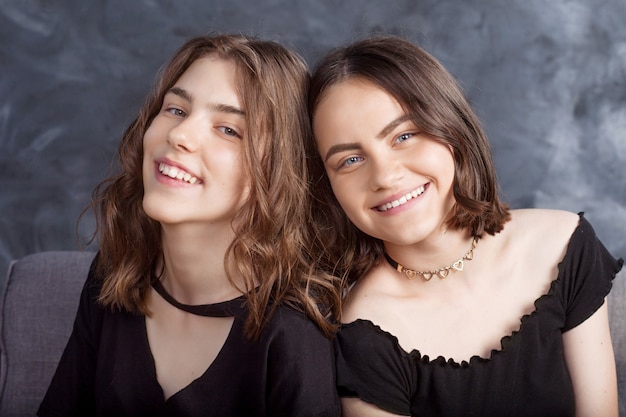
351 89
211 76
356 100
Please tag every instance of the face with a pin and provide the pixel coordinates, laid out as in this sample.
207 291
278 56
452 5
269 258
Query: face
192 166
392 181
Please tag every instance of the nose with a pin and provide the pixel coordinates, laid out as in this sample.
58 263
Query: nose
385 171
184 136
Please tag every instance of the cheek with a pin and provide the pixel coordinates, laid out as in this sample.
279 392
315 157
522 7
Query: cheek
233 167
146 147
451 171
345 195
150 136
243 178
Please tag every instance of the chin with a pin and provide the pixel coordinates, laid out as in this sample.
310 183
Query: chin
156 211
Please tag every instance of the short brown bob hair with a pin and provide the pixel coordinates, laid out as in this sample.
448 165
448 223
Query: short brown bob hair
435 103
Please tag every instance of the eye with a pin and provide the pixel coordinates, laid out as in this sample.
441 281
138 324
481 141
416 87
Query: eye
176 112
404 137
351 161
229 131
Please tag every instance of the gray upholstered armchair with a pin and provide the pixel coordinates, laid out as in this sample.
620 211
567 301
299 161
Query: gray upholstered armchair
37 311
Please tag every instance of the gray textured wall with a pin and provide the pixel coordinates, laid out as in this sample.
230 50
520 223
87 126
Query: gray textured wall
548 78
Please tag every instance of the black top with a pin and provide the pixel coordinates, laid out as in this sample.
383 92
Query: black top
527 377
107 368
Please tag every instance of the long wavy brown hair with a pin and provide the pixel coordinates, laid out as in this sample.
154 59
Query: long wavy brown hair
272 249
435 103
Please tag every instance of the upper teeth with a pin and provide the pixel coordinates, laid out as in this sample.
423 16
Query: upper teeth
176 173
402 200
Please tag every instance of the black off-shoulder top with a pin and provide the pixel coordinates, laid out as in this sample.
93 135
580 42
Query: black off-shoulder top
528 376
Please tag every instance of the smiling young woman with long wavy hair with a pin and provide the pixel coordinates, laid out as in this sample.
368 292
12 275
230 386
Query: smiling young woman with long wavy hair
204 299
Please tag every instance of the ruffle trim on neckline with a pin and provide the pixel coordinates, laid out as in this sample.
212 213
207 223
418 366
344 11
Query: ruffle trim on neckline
475 360
506 341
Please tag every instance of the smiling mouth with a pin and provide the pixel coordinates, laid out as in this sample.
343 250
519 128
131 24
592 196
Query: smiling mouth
402 200
177 173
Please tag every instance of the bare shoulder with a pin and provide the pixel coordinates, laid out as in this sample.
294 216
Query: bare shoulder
544 224
368 298
543 233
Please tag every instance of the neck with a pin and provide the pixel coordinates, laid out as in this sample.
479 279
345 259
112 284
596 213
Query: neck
193 270
432 253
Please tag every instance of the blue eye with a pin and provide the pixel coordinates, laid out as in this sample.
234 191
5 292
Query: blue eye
403 137
351 160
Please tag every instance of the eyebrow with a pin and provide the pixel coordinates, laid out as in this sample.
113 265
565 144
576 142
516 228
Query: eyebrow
394 123
218 107
340 148
355 146
184 94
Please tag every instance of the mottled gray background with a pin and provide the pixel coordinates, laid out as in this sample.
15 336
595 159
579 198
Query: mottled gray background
548 78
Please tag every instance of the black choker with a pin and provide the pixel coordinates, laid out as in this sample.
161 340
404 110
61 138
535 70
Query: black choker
228 308
441 272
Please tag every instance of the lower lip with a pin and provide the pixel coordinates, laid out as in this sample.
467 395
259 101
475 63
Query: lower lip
403 207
